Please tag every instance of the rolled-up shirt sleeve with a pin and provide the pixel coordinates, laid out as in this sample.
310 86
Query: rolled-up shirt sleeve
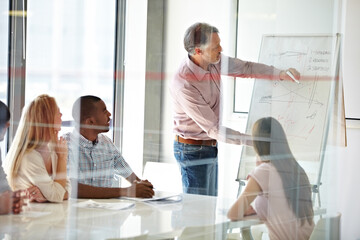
238 68
121 167
228 135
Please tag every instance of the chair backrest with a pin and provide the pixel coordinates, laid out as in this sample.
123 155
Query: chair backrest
156 172
140 237
257 231
327 228
209 232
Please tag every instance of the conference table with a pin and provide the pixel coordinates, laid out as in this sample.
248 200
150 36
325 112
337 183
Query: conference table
95 219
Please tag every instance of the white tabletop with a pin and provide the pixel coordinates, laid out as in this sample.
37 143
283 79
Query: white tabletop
68 221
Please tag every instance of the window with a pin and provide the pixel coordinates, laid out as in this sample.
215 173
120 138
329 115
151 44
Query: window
70 52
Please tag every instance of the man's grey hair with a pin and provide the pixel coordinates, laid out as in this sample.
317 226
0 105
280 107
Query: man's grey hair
198 36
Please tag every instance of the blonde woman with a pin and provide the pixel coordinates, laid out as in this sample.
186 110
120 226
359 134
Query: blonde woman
36 160
279 186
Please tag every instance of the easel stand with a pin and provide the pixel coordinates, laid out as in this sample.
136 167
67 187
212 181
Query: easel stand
316 192
241 184
319 119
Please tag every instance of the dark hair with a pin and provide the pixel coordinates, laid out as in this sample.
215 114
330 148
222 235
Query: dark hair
270 143
84 107
198 35
4 114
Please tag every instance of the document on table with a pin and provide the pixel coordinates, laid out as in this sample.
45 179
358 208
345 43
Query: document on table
159 198
102 205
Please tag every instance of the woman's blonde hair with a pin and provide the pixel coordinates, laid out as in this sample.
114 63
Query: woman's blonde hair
36 126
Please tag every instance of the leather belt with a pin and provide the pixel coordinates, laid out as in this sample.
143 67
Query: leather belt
196 142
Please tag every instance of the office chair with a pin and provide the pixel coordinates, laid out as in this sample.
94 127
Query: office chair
209 232
156 172
327 228
140 237
257 231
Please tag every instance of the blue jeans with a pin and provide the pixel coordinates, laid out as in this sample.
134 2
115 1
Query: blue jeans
199 168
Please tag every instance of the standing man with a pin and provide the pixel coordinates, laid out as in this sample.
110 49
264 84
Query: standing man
196 99
9 201
95 164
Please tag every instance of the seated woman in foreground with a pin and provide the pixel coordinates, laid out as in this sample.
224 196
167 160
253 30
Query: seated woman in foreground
279 186
36 160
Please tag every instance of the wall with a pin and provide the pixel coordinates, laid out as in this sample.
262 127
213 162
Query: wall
351 57
347 192
154 81
346 179
134 86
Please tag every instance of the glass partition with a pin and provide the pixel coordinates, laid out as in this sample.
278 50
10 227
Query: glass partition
283 17
4 24
70 52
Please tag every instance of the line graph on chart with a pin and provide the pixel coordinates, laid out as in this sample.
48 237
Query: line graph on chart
302 109
297 106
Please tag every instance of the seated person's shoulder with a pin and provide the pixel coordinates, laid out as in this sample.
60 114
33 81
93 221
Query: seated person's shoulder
185 75
31 157
104 139
31 153
264 167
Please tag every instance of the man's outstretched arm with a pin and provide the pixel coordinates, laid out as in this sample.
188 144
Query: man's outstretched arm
137 189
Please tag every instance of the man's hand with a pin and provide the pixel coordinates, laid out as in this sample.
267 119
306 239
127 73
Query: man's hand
146 182
10 202
285 76
5 202
142 189
17 202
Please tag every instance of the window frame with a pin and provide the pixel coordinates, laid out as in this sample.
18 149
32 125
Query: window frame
17 66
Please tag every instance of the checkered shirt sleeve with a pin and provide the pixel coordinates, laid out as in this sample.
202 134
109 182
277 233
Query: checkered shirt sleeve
99 164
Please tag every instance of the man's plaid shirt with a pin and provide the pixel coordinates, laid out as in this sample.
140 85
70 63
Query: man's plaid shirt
96 163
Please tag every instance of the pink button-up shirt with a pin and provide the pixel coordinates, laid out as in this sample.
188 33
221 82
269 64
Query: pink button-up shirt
196 96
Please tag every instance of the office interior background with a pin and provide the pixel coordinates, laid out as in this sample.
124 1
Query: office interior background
127 52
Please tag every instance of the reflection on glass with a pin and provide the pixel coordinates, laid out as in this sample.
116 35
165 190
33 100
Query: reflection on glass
4 23
70 51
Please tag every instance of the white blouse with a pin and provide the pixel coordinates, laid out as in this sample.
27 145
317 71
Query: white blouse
32 172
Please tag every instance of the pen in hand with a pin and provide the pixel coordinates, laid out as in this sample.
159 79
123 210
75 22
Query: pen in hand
292 76
144 188
146 183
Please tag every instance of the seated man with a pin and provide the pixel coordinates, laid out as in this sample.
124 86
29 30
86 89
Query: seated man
94 162
9 201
